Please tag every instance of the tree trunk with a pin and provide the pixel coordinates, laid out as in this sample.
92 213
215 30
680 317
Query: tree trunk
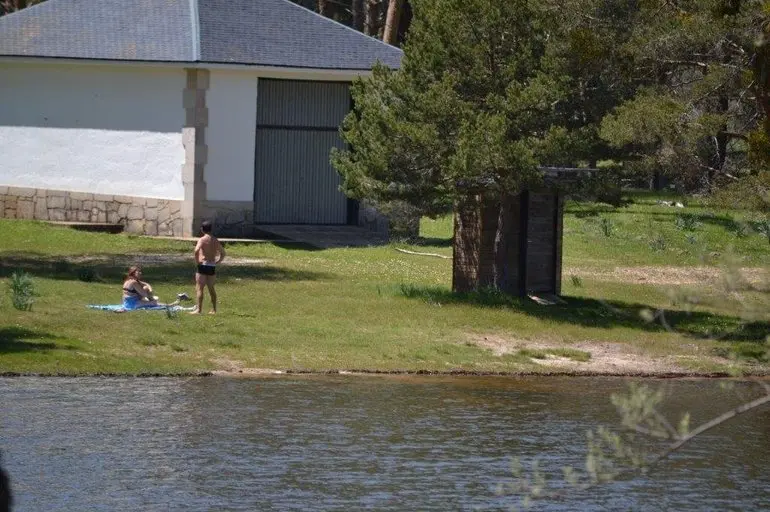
356 12
466 244
369 17
487 245
490 217
390 35
762 75
9 6
719 155
322 7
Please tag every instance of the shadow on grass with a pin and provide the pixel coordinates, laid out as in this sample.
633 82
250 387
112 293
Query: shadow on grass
430 242
17 339
283 243
172 269
606 314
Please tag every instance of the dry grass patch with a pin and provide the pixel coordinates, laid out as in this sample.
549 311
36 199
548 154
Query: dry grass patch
668 275
606 358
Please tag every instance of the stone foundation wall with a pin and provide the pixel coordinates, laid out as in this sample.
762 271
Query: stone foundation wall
141 215
230 218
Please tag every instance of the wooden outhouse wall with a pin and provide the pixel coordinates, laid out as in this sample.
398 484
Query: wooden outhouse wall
531 263
544 234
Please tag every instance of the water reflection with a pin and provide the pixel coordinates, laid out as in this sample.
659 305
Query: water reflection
348 442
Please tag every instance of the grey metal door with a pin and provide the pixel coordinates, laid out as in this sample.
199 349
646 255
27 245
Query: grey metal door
297 125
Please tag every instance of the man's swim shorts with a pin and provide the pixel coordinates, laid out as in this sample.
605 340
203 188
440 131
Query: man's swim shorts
206 270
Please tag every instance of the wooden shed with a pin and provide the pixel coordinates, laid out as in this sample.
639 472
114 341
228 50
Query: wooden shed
529 259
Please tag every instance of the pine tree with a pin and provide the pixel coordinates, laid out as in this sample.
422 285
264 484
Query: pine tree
462 126
701 113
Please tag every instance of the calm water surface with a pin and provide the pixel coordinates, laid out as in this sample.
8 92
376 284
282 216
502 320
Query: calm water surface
350 443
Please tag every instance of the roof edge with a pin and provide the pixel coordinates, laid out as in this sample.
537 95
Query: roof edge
195 24
266 71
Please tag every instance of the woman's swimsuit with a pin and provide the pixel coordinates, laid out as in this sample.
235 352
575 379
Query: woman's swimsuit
132 301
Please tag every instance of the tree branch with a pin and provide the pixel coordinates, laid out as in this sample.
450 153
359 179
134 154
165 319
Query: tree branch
741 409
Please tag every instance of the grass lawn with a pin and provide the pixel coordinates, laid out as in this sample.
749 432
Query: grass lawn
377 309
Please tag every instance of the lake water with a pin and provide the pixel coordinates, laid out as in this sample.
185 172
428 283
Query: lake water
352 443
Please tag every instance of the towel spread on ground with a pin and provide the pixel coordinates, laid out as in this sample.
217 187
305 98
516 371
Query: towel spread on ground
120 308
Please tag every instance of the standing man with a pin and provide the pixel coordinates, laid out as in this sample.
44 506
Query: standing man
208 253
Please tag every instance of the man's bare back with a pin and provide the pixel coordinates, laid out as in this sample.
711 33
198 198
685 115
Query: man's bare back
208 253
209 250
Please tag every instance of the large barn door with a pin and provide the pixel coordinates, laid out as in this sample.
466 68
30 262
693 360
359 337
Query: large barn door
297 125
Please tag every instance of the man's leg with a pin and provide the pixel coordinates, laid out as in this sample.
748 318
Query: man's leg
200 281
210 281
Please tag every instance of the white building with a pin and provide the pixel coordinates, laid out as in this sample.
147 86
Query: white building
158 114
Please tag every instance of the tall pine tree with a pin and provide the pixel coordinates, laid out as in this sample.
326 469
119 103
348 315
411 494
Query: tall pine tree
463 125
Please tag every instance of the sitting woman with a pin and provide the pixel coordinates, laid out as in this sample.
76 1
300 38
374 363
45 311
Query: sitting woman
136 293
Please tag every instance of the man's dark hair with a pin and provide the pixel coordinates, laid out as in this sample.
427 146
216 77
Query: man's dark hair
206 226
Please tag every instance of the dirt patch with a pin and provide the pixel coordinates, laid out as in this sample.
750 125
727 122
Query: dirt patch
227 365
234 368
667 275
606 358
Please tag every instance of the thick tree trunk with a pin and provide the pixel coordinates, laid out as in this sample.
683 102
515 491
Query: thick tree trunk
487 241
466 245
490 216
390 35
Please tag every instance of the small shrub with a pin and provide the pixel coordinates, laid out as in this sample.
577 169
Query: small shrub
748 193
691 239
606 226
686 221
745 351
762 227
577 281
22 290
740 229
658 243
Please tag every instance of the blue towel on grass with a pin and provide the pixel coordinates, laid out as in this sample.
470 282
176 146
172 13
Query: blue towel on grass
119 308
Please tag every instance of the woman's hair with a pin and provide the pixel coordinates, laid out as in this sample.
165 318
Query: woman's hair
132 272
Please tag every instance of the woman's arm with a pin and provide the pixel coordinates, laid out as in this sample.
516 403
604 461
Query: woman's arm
139 287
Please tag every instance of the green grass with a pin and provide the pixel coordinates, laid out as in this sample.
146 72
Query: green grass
293 308
646 233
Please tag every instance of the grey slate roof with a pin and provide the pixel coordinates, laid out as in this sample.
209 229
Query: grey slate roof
251 32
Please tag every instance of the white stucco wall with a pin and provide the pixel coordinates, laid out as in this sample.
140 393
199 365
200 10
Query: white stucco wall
231 135
102 129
